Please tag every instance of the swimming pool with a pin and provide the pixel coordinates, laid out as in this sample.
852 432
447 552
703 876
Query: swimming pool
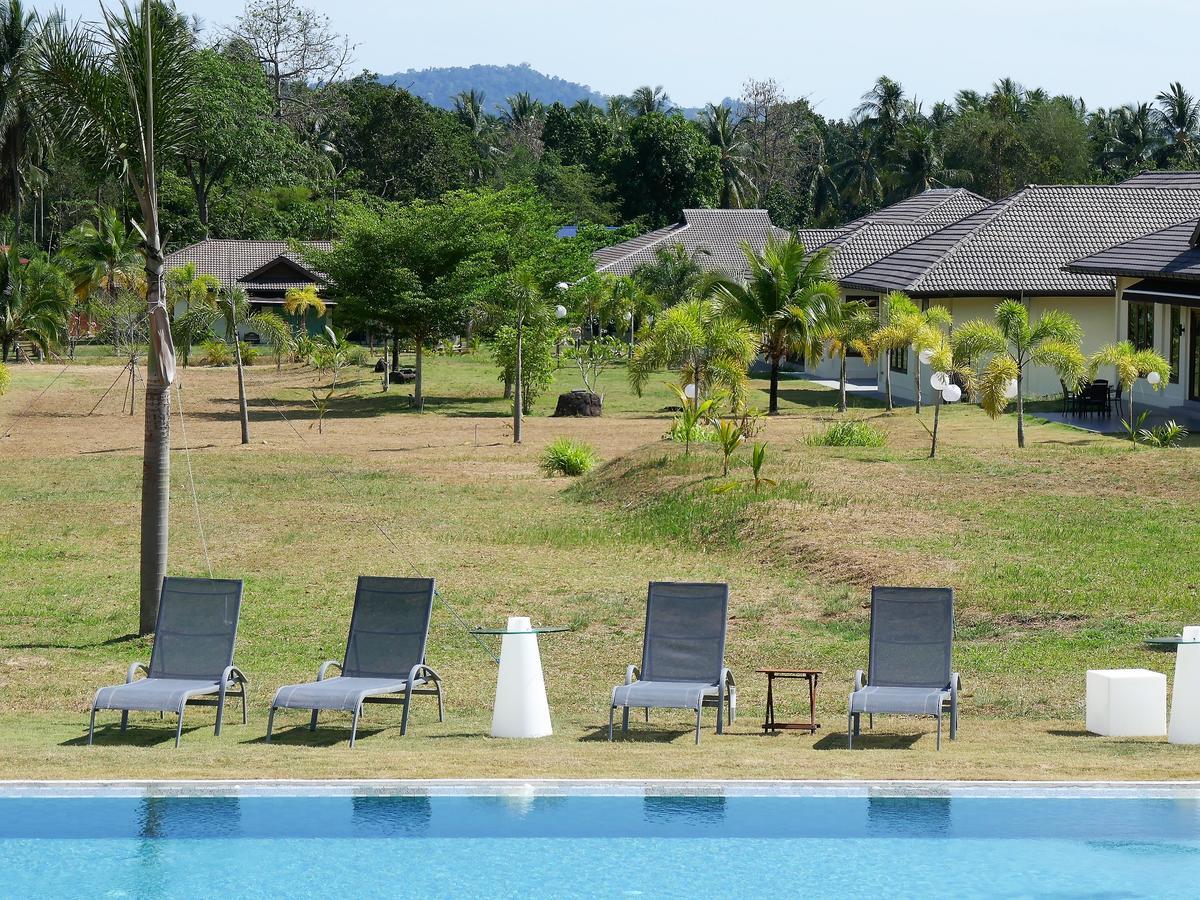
598 839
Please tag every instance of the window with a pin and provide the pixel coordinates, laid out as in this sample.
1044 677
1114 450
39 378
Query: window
1175 338
899 359
1141 325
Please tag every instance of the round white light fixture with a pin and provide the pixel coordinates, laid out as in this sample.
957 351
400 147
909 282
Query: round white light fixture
1010 390
560 311
563 286
926 356
939 380
1153 378
628 317
689 391
952 393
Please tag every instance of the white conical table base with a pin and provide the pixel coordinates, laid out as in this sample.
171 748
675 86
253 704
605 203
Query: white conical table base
1185 696
521 710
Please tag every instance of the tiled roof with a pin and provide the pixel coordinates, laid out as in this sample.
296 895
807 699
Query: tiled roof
713 236
814 238
936 206
1021 243
1168 253
1181 179
858 247
231 261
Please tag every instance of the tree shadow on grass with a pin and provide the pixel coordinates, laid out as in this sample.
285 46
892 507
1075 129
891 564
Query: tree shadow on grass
866 741
264 410
324 736
821 398
145 733
47 645
1069 732
642 734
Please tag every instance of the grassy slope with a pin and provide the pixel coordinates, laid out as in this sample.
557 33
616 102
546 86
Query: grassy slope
1063 557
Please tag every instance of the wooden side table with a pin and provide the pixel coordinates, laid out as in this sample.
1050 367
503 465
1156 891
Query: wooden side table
809 675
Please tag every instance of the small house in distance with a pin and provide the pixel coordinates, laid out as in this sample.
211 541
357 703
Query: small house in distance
265 270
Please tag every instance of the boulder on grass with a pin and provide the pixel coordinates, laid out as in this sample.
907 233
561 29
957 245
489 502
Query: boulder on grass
578 403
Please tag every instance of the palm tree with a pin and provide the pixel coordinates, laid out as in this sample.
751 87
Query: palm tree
645 100
627 301
673 276
723 132
1131 364
198 294
905 325
709 348
848 327
882 108
120 92
102 256
1011 344
1134 137
891 335
1178 115
18 119
859 170
468 106
785 299
919 163
35 298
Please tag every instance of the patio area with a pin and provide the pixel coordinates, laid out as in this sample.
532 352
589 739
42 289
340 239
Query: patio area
1187 416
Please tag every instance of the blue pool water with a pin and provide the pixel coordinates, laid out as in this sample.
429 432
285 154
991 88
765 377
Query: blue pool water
598 846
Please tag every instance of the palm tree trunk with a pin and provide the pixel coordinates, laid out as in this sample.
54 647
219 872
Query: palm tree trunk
518 394
156 463
842 383
917 381
773 406
245 413
418 393
887 383
1020 409
937 409
395 351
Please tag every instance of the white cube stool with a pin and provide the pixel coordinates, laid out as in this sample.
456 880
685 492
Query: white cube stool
1126 702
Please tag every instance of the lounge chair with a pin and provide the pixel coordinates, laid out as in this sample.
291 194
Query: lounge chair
912 630
192 657
385 656
683 655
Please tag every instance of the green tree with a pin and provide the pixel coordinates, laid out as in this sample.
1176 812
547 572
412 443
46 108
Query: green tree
35 298
847 327
1178 115
1011 343
103 256
537 363
906 325
724 132
19 126
785 298
664 167
709 348
121 95
674 275
192 321
1130 365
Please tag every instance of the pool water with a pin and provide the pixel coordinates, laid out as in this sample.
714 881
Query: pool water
573 845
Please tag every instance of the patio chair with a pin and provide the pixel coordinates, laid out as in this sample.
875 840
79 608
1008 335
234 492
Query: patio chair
1070 400
385 656
192 657
683 655
912 630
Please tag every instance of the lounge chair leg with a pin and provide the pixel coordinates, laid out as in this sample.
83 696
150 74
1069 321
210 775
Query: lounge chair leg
354 725
699 709
220 714
611 712
646 710
437 686
625 720
312 722
953 720
407 706
871 721
245 719
939 732
270 723
857 724
92 726
850 731
179 726
124 719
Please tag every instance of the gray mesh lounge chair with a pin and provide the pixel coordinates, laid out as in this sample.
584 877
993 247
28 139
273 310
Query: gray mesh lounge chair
192 657
912 630
385 655
683 655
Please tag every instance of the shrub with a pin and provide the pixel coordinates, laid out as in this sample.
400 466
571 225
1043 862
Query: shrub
567 457
850 433
701 433
249 353
1161 436
5 379
358 355
217 353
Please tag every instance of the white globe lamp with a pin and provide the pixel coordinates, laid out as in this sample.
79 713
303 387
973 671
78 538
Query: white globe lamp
952 393
563 286
939 380
560 311
689 391
926 356
1153 378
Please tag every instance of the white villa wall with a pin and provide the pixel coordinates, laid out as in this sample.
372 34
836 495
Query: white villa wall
1171 394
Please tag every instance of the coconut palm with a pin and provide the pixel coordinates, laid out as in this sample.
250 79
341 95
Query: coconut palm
709 348
882 109
847 328
120 93
673 276
192 300
906 325
724 132
919 163
646 99
1134 137
1131 364
35 298
1178 115
102 256
959 372
785 299
860 169
19 132
1010 343
626 303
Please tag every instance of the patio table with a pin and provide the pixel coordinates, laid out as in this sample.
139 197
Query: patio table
809 675
1185 694
521 709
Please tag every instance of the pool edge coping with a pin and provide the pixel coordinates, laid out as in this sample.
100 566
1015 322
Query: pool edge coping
557 787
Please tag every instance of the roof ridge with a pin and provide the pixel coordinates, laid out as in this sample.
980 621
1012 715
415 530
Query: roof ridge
683 226
1004 203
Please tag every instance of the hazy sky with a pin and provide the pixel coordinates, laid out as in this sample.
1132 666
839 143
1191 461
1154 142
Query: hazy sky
1109 52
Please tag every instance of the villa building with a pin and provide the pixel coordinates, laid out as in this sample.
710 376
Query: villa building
265 270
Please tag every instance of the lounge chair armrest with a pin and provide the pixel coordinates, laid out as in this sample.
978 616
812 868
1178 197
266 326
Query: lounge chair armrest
955 684
415 672
325 668
133 669
632 674
727 678
234 674
859 679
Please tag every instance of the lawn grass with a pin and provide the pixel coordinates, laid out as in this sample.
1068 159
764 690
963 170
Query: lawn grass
1063 556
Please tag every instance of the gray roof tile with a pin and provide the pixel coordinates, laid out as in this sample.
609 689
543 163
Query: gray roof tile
232 261
1020 244
1171 180
936 206
1167 253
